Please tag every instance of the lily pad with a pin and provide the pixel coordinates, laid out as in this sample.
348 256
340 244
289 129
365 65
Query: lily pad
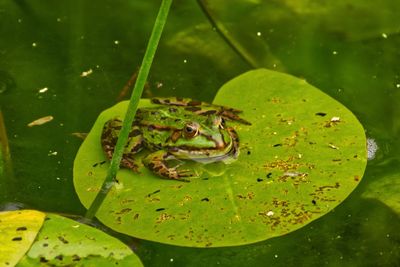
303 155
64 242
18 230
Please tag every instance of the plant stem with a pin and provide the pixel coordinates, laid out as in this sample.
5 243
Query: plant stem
224 33
132 107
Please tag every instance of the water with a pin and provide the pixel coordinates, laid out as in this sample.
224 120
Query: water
84 54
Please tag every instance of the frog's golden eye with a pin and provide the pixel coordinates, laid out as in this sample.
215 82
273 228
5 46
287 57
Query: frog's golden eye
191 129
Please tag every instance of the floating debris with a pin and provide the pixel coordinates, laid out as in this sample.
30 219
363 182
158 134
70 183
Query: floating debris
372 147
86 73
52 153
295 174
335 119
41 121
43 90
333 146
80 135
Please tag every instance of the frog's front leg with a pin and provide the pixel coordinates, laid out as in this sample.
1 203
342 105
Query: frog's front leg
157 162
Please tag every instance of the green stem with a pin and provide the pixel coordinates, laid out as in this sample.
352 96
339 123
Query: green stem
224 33
131 111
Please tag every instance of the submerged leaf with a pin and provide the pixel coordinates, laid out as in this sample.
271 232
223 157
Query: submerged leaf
303 155
387 190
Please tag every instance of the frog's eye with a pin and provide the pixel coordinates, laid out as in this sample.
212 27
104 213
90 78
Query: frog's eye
191 130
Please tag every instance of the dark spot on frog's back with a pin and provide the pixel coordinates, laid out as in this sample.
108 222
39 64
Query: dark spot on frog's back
193 109
208 112
173 109
155 101
135 132
194 103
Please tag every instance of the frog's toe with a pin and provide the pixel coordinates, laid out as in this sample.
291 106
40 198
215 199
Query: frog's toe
179 175
186 173
130 164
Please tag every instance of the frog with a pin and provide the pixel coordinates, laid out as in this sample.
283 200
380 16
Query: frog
176 129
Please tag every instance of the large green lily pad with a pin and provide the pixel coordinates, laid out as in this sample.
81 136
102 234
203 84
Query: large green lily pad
64 242
303 155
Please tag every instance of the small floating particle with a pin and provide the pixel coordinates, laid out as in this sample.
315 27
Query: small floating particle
34 44
384 35
80 135
335 119
333 146
43 90
259 34
270 213
52 153
41 121
295 174
116 42
86 73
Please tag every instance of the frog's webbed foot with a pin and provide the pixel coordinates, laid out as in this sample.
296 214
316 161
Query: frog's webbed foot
157 162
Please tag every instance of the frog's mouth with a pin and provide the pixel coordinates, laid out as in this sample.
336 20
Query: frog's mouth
204 155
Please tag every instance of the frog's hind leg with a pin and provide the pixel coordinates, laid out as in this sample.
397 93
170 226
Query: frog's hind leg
157 162
225 112
133 146
235 142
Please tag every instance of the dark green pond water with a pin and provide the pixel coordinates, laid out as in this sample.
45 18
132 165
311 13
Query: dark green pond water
348 49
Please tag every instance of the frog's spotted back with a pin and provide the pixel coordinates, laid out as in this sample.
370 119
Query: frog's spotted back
202 108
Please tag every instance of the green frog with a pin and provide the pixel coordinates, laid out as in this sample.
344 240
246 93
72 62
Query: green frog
176 129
